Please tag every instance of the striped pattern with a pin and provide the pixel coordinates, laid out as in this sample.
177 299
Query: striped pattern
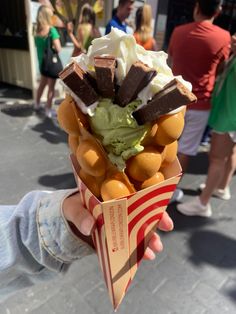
144 209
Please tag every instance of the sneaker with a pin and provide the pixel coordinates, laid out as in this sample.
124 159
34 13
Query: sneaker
38 107
50 113
223 194
177 196
195 208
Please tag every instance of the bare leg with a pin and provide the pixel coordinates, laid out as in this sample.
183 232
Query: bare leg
217 161
184 160
51 89
229 170
42 85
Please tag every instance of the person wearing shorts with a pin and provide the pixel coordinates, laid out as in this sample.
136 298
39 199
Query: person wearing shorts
222 156
195 51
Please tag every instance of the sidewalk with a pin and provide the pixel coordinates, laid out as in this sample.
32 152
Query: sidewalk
196 273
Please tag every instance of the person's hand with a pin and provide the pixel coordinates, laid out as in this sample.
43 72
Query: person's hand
70 27
83 220
75 213
233 44
155 244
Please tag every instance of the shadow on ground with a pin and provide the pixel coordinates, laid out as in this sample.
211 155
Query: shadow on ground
61 181
183 222
12 91
18 110
50 131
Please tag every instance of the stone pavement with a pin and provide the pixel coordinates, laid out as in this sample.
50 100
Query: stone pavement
196 273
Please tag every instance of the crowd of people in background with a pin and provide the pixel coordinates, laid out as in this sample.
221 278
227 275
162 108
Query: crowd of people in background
197 51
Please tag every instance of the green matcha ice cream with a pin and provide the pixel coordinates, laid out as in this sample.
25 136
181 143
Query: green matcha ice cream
118 130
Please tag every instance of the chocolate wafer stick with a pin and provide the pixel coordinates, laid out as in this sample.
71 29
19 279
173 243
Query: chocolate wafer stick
79 83
138 77
171 97
105 75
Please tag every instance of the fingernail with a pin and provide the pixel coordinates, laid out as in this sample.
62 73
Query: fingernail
87 226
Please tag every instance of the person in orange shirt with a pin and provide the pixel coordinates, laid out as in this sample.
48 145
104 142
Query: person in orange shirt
143 32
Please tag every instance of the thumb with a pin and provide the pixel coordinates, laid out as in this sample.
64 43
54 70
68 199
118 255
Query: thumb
75 212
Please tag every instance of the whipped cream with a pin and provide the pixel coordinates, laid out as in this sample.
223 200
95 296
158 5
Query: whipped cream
124 47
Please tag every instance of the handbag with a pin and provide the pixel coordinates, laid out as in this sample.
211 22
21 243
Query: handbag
51 64
223 113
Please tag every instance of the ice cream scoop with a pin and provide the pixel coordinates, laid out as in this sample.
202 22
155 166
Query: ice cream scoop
118 131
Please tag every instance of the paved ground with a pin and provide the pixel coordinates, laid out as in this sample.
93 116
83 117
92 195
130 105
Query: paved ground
194 274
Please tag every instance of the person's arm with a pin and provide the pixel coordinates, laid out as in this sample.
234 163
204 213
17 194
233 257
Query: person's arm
36 241
233 44
223 56
96 33
170 50
55 39
77 43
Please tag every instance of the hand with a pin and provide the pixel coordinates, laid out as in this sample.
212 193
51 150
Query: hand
233 44
75 213
70 27
85 223
155 244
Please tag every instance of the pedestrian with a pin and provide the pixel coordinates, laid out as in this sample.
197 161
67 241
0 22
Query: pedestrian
222 156
86 30
44 234
143 32
196 50
120 14
45 32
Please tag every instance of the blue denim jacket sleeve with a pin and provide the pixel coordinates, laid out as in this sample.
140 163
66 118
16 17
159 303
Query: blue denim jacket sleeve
36 242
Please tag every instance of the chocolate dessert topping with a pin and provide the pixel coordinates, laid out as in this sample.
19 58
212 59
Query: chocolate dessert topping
105 75
79 83
171 97
138 77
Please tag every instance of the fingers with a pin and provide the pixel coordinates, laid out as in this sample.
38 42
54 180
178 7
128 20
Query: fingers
78 215
154 246
166 223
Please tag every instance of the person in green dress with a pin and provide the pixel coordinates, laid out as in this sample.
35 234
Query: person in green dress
44 29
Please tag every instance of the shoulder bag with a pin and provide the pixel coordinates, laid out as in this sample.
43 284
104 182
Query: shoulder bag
51 65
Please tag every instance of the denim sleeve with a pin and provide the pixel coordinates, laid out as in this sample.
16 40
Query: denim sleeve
36 242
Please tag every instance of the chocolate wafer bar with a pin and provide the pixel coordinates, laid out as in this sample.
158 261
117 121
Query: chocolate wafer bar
79 83
138 77
105 75
171 97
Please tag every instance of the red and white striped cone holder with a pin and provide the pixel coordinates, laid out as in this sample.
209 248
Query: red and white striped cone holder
124 228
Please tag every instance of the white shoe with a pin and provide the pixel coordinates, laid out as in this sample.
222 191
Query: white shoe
223 194
50 113
195 208
177 196
38 107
